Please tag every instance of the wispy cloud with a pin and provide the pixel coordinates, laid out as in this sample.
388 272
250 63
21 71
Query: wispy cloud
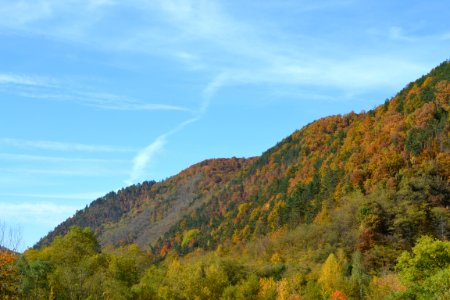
213 86
145 157
36 213
59 146
60 92
18 79
139 106
116 102
250 55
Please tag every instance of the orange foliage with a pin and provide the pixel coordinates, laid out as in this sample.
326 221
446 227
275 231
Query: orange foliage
165 249
338 295
8 273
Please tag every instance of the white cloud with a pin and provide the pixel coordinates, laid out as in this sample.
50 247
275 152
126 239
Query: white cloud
144 157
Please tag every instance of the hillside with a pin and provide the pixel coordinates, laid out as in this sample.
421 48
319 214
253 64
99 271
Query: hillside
142 213
348 207
397 149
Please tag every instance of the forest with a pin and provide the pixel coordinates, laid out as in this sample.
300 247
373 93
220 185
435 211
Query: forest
276 267
353 206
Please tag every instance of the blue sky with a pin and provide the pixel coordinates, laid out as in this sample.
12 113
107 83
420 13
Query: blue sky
96 95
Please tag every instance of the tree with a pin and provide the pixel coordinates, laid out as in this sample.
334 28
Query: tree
426 271
415 140
331 275
359 279
74 259
34 278
189 237
428 257
9 279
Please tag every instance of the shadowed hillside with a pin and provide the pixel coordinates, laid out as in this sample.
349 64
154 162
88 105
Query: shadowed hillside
141 213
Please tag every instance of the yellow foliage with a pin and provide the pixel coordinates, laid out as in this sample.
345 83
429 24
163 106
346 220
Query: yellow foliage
276 258
426 82
330 274
242 209
267 288
283 289
322 216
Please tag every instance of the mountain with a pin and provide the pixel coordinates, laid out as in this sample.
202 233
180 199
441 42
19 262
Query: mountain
348 207
376 181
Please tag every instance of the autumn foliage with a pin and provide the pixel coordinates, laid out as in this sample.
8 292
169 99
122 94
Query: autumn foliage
8 274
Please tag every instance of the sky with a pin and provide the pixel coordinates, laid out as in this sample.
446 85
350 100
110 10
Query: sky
97 95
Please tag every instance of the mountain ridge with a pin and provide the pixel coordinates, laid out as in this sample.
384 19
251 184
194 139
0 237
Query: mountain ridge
394 149
109 209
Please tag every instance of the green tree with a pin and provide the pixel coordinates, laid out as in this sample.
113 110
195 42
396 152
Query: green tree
426 271
74 260
34 278
428 257
359 279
